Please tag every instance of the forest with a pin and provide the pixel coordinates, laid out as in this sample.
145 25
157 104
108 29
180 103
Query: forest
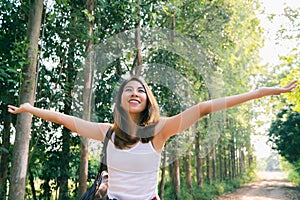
70 56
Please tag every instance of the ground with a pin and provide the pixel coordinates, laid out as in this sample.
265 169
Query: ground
271 186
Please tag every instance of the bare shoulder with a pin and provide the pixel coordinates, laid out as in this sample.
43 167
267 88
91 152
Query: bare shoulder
93 130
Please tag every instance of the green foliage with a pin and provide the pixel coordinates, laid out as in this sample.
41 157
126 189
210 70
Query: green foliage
227 31
293 97
291 170
294 176
13 49
284 135
209 191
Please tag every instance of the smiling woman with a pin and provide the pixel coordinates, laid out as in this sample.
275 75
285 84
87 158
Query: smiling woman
136 107
139 133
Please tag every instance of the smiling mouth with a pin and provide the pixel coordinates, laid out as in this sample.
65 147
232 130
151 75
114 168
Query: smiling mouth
134 101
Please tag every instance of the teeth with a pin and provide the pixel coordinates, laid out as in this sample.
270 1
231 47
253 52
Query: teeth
134 100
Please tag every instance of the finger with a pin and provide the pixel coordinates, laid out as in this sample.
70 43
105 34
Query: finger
291 84
11 110
12 107
291 87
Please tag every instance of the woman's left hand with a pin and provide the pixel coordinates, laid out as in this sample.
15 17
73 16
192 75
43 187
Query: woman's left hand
267 91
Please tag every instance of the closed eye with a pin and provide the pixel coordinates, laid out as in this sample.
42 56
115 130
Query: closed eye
128 89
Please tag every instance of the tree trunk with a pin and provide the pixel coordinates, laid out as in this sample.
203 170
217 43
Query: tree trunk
175 177
225 158
23 126
214 165
188 174
242 161
64 163
175 166
87 99
232 159
229 162
46 195
139 58
221 173
250 160
199 174
208 179
138 61
66 133
163 176
4 155
31 182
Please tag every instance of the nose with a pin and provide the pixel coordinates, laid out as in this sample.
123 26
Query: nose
134 93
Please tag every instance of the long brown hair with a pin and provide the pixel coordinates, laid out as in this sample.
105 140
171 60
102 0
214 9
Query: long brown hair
126 131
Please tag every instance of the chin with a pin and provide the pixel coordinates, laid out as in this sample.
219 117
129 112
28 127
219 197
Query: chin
135 111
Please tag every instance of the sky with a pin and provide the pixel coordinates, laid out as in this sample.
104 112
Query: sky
269 53
271 50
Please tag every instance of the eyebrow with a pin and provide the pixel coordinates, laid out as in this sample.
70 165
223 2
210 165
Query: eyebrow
129 86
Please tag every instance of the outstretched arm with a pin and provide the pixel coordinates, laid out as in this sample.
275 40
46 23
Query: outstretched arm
85 128
228 102
184 120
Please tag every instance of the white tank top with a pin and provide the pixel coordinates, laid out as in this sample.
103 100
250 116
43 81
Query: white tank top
133 173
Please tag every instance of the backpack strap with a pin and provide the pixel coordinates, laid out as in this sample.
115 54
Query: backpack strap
103 157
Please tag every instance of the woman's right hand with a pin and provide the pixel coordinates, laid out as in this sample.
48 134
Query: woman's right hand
16 110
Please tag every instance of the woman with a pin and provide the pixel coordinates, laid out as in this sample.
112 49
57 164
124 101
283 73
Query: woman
139 133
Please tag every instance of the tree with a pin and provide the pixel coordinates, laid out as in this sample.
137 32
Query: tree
20 152
285 137
13 53
229 37
87 99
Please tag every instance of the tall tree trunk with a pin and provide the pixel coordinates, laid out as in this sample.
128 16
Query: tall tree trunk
208 179
250 160
83 168
199 174
4 155
188 173
242 158
163 176
241 161
175 177
138 43
220 163
31 182
46 188
207 153
23 126
175 166
225 158
229 161
232 158
214 165
87 99
64 163
66 133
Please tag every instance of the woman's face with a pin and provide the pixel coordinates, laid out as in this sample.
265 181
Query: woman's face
134 97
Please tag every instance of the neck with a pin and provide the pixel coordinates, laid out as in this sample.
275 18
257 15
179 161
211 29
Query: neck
135 117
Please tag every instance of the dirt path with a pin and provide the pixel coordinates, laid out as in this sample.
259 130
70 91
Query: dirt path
272 186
